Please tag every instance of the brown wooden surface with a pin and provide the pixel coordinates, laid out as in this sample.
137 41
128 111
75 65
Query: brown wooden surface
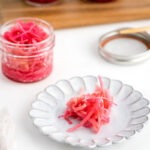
74 13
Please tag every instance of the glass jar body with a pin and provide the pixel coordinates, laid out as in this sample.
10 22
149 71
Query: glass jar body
31 62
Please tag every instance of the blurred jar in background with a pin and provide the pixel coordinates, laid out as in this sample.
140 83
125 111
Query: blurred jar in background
100 1
40 2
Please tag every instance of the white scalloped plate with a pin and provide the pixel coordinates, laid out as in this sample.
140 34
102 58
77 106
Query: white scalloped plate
126 118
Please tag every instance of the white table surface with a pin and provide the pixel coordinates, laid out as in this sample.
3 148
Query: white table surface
75 55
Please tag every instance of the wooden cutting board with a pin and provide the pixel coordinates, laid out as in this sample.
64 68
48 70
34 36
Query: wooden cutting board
75 13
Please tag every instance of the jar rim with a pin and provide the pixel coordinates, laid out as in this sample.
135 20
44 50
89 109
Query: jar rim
27 46
121 59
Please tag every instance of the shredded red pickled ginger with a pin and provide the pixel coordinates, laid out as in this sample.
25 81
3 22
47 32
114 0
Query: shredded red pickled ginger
25 33
93 110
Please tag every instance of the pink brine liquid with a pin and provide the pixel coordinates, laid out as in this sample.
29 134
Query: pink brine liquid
30 71
27 51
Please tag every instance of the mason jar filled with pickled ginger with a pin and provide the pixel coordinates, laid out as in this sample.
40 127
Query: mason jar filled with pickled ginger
27 49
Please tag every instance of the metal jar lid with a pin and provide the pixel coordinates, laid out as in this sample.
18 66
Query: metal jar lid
144 38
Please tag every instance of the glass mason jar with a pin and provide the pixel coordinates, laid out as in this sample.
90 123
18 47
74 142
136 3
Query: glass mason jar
40 2
27 62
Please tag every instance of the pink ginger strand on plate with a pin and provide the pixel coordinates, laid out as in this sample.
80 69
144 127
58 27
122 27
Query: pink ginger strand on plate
93 109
